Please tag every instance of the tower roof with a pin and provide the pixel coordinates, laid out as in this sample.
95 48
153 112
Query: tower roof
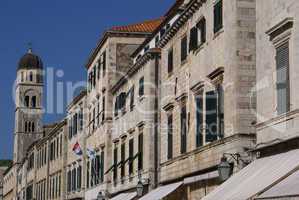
30 61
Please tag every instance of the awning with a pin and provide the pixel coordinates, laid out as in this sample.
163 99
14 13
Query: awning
161 192
256 177
286 188
207 176
125 196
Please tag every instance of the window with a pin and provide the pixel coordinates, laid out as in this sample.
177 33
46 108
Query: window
141 86
183 129
104 63
103 107
218 19
282 82
116 106
140 151
115 160
79 174
220 109
197 35
27 99
132 98
184 49
87 174
94 76
122 101
81 119
30 76
22 76
33 102
102 166
97 169
199 120
131 156
170 60
169 136
211 116
146 48
157 39
123 158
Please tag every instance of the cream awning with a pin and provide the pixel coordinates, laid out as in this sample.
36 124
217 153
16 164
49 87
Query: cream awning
256 177
161 192
125 196
287 187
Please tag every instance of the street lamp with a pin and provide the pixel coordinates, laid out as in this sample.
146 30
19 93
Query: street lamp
225 169
139 189
100 196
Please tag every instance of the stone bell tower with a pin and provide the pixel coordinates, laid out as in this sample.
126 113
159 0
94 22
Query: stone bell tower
28 101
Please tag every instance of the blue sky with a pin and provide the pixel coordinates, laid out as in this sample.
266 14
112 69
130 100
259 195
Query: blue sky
63 33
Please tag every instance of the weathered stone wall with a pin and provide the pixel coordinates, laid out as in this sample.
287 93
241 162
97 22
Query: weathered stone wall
270 125
232 48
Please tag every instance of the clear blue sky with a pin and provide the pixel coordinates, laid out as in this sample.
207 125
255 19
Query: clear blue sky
63 33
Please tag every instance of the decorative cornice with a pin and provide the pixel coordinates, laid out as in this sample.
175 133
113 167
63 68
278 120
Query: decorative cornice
185 16
152 53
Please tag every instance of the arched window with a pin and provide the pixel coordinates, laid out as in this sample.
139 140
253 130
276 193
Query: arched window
22 76
33 102
27 101
30 76
32 127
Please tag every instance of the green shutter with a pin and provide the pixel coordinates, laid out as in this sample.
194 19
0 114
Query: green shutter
183 130
193 39
170 137
283 83
211 116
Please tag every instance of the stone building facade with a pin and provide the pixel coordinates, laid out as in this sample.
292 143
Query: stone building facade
207 75
4 165
166 101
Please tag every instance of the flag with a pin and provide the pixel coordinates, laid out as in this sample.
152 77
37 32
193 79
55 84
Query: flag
77 149
91 153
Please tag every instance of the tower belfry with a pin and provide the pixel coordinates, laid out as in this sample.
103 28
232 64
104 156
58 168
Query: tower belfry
28 101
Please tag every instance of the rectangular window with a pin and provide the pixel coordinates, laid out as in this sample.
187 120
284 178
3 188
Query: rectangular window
141 86
170 136
104 63
193 44
116 106
123 158
184 50
211 116
183 129
69 181
201 31
102 166
99 68
115 160
220 111
218 16
87 174
140 151
199 120
79 174
283 81
131 156
103 107
132 98
170 60
97 169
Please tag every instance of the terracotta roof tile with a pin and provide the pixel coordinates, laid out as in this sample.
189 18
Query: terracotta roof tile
144 27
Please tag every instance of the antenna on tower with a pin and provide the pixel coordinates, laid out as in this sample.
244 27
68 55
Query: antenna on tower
29 47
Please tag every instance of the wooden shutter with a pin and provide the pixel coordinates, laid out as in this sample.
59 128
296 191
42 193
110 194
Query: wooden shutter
141 86
283 83
218 19
199 121
184 48
211 116
140 151
170 137
131 155
132 97
170 60
193 39
123 158
183 130
115 160
102 166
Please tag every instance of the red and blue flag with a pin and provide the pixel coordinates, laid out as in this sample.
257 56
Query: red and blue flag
77 149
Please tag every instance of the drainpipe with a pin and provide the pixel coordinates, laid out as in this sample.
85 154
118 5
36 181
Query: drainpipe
156 120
